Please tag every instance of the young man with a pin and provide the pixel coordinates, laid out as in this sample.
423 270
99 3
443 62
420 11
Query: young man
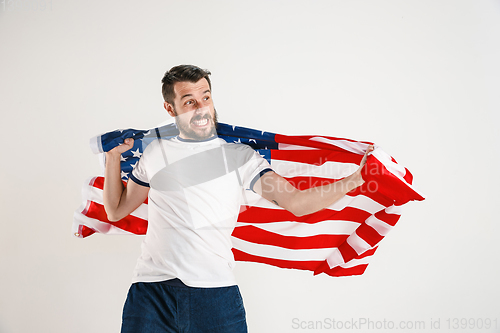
195 184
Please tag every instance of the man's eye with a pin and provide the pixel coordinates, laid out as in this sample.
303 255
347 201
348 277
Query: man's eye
189 102
206 98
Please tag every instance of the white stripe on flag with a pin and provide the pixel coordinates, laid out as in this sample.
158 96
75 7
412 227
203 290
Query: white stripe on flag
397 210
335 258
380 226
275 252
285 146
354 147
360 202
355 262
298 229
330 170
352 263
386 160
358 244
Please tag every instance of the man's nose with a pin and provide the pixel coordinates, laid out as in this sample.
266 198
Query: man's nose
201 109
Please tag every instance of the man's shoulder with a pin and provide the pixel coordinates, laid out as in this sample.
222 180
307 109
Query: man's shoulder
238 148
154 146
240 153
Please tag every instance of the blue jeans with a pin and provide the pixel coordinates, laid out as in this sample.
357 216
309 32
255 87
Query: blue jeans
162 307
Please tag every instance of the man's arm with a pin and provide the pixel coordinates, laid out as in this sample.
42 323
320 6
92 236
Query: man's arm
120 201
278 190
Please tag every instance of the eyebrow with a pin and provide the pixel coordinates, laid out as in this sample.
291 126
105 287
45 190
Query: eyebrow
188 95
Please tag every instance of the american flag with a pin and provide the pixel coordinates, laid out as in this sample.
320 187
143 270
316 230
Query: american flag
338 240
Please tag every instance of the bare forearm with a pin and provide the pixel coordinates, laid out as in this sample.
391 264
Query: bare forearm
277 189
317 198
113 186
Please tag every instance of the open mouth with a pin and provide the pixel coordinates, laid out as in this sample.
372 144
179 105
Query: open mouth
200 122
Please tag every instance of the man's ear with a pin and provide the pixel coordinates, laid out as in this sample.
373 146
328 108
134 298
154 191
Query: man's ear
170 108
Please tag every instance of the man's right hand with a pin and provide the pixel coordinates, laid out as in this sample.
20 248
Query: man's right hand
126 145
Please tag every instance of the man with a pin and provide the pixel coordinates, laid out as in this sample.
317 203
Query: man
195 184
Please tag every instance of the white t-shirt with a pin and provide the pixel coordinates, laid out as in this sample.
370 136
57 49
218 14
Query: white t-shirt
196 189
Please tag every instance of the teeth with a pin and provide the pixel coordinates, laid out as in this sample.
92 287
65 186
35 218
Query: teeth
200 122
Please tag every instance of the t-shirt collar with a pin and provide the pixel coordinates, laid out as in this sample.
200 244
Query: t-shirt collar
191 140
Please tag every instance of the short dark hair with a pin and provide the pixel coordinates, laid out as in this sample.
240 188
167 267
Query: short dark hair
181 73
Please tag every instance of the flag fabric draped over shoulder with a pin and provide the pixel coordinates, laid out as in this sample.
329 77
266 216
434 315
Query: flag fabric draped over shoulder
339 240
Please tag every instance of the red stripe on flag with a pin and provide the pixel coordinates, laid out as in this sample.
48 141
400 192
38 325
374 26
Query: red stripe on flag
243 256
356 270
340 271
316 157
305 140
390 219
408 176
129 223
347 252
302 265
263 215
368 234
258 236
85 231
98 182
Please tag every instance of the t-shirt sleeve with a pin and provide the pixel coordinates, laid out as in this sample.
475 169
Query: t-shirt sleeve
139 174
254 168
257 177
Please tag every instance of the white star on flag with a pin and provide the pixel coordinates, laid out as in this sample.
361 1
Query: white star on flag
137 153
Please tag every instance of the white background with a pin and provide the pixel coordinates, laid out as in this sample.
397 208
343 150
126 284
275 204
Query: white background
419 78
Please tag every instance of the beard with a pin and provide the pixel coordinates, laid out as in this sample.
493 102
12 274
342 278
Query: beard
187 129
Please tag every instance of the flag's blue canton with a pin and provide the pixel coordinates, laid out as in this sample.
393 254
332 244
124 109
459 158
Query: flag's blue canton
253 138
266 153
261 141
